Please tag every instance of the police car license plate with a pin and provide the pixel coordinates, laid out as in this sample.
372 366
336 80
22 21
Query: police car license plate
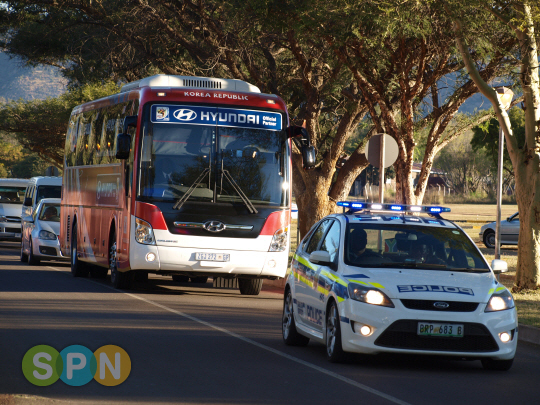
440 329
213 257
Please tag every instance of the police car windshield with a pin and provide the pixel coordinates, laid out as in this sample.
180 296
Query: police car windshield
410 246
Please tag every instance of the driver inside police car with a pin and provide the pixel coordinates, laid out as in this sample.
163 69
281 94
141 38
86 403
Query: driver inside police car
358 252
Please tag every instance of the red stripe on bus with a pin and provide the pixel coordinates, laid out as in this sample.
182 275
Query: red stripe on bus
276 220
151 214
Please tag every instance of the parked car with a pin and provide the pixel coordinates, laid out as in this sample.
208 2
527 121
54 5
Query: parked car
11 199
40 233
38 188
509 232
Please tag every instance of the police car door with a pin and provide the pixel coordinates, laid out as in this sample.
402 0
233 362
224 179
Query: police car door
325 273
306 278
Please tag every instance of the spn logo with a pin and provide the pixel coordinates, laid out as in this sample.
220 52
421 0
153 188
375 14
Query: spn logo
76 365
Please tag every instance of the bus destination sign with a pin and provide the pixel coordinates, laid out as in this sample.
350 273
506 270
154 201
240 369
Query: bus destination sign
223 117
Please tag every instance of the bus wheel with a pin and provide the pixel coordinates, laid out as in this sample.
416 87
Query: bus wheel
119 279
250 286
78 269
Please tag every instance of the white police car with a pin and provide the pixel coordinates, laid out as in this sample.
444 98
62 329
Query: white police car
371 282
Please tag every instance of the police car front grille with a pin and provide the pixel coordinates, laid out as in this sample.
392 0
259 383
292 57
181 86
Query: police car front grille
453 306
403 335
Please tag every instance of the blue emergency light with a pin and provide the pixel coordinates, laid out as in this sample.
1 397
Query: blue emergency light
359 206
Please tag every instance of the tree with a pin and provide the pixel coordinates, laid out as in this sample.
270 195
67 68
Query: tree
486 140
466 169
520 18
40 125
335 64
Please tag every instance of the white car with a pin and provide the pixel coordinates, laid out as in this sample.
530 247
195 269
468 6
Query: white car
509 232
371 282
40 233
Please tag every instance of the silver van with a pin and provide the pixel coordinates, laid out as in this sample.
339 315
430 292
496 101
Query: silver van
39 188
11 198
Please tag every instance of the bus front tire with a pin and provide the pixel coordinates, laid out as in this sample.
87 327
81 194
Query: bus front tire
250 286
78 268
120 280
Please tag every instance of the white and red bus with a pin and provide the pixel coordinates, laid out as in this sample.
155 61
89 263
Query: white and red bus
181 176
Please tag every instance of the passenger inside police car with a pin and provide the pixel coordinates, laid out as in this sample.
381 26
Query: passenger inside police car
423 253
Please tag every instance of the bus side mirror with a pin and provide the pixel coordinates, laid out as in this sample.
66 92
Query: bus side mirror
309 155
123 140
123 145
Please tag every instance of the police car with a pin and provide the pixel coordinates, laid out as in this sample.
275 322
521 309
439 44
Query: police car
399 279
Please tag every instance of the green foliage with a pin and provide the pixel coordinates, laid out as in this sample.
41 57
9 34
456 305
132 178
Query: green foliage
40 125
29 166
486 140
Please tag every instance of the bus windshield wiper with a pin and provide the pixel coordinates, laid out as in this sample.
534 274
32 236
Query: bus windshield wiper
247 202
191 189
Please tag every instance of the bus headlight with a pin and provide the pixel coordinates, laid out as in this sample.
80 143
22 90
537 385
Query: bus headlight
279 241
500 301
144 233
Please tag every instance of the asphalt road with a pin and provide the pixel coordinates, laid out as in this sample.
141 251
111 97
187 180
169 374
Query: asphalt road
195 344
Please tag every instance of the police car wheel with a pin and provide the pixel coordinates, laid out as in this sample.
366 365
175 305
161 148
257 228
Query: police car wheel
499 365
334 349
489 239
291 337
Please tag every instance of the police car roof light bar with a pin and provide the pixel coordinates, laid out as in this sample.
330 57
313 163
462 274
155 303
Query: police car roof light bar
360 206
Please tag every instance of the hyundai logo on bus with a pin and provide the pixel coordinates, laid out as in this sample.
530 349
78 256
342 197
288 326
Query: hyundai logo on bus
226 117
76 365
214 226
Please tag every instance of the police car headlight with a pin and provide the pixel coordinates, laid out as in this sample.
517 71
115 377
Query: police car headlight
500 301
369 295
46 235
144 233
279 241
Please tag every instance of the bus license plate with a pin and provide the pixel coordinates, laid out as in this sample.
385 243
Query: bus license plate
213 257
440 329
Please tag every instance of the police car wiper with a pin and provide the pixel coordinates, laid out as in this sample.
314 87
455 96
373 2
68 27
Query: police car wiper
414 265
191 189
469 270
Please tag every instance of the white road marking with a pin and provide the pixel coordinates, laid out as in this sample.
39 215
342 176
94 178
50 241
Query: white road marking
257 344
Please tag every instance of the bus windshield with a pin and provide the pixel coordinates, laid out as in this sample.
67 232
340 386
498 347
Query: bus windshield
174 156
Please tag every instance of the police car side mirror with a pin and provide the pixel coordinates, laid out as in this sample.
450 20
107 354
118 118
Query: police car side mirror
320 257
499 266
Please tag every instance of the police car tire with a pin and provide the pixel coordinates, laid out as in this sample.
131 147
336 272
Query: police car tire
498 365
489 239
291 337
334 348
250 286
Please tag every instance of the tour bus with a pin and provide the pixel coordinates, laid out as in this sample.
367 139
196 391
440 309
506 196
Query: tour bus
181 176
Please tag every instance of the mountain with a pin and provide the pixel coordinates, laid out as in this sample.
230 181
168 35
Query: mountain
18 81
